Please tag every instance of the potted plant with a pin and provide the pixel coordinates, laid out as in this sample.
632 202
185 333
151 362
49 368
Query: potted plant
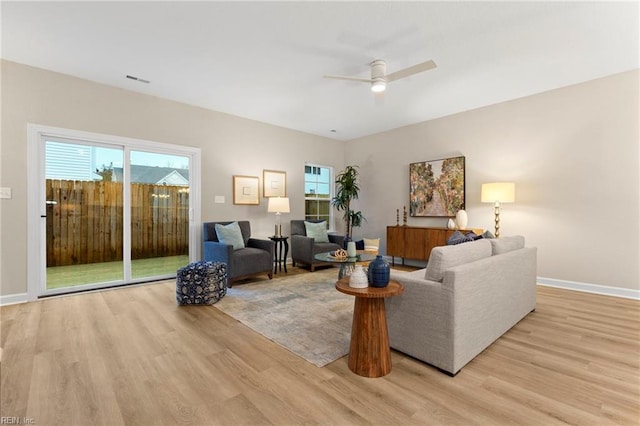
347 189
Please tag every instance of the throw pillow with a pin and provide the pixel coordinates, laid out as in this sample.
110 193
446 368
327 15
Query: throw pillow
230 234
506 244
318 231
459 238
488 234
456 238
446 257
372 244
472 236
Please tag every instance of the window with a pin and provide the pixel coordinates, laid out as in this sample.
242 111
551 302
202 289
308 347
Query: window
318 191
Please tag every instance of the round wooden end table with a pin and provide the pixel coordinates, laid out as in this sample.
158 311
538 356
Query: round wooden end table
369 352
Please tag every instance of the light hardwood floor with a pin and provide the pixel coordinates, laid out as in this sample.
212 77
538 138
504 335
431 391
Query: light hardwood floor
131 356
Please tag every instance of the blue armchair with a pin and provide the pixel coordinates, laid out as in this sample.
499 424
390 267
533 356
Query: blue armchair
255 258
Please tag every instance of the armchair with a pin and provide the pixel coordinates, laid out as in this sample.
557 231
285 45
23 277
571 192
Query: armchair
304 248
255 258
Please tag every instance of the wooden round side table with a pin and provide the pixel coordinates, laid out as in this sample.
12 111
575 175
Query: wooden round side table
369 352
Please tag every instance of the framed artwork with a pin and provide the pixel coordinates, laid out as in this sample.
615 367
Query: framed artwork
436 188
246 190
274 183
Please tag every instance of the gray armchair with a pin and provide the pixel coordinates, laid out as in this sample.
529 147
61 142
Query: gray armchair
303 248
255 258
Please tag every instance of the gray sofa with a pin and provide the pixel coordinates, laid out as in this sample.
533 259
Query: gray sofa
255 258
468 296
303 248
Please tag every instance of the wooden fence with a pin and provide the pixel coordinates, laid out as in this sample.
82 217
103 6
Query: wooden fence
85 221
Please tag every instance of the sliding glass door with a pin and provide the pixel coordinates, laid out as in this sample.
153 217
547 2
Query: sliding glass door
113 214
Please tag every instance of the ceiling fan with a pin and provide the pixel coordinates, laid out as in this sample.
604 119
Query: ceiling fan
380 78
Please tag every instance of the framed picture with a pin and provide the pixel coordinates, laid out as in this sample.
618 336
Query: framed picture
436 188
246 190
274 183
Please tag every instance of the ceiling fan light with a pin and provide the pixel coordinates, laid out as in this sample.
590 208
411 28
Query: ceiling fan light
378 86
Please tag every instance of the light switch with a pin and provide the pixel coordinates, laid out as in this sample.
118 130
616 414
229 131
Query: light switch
5 193
219 199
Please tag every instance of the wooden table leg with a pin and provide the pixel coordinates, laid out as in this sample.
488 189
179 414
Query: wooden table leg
369 353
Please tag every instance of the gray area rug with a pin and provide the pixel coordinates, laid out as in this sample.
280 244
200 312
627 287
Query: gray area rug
303 313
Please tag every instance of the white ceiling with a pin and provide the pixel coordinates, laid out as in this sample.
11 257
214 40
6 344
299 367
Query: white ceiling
265 60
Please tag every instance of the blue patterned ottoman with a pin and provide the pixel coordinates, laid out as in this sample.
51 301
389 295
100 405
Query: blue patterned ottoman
201 283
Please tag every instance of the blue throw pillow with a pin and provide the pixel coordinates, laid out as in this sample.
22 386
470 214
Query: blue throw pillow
318 231
230 234
459 238
456 238
472 236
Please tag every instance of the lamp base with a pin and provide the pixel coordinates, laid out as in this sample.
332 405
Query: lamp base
278 231
497 219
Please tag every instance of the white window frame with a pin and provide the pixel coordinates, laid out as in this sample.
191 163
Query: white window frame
331 194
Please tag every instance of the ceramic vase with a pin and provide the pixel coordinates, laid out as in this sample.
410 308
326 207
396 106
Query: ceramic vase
351 249
461 219
451 224
379 270
358 278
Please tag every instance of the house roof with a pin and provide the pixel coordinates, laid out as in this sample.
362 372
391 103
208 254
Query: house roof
266 60
156 175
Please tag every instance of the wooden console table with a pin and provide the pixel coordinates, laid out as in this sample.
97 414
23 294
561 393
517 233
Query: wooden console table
416 242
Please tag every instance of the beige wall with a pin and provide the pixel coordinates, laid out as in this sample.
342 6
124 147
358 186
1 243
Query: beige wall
230 145
573 154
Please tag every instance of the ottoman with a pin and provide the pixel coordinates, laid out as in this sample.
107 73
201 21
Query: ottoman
201 283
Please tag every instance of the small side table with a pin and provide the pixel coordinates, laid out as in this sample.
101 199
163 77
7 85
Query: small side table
281 245
369 352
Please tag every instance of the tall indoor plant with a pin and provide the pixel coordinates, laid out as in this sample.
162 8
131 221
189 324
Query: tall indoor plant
347 190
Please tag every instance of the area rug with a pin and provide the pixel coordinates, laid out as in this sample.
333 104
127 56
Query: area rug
302 313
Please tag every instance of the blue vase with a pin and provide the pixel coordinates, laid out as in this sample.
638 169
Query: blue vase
379 272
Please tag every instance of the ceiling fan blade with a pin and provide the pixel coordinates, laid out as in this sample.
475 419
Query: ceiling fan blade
343 77
425 66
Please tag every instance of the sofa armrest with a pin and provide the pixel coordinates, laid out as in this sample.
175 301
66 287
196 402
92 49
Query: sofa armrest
266 245
217 252
420 320
302 247
489 297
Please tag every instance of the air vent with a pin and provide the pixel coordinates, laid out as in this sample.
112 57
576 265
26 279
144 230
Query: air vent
141 80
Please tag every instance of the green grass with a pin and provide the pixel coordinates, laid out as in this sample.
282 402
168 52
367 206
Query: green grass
92 273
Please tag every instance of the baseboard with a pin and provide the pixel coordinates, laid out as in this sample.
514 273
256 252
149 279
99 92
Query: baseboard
626 293
12 299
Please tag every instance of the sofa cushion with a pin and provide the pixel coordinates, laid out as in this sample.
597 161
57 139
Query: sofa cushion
230 234
445 257
506 244
318 231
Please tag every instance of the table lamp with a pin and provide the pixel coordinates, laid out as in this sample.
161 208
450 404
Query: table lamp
278 205
498 192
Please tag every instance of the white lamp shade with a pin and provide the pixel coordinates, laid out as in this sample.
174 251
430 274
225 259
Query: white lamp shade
378 86
502 192
278 205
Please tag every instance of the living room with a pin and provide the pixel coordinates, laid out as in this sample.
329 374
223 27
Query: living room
572 152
